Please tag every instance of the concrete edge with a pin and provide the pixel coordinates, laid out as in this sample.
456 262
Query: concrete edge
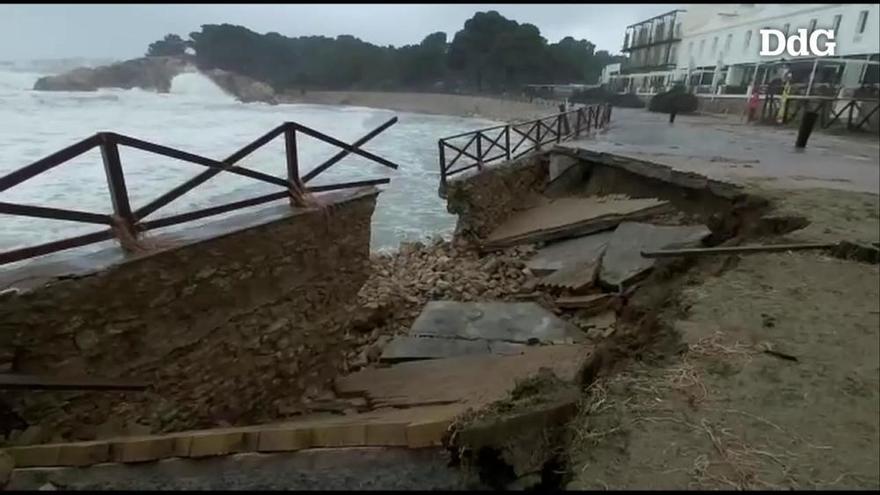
331 433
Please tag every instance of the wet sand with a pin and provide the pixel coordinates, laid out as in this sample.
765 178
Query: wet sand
432 103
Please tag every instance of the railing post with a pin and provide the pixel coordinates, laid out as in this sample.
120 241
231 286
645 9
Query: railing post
589 115
292 156
559 127
479 150
538 138
118 192
577 122
507 142
597 118
849 117
442 153
608 118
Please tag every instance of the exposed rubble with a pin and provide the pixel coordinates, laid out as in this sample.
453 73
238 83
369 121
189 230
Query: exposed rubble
403 282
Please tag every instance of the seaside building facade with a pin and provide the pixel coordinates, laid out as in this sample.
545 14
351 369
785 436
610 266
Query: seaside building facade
714 49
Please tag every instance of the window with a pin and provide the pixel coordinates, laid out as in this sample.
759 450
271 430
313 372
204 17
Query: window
727 42
836 23
748 39
812 26
785 28
714 45
863 21
702 45
691 49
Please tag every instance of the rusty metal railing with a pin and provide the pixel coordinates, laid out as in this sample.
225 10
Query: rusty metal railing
517 139
126 223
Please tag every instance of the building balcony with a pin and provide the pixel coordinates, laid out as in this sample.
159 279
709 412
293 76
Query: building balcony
628 67
650 43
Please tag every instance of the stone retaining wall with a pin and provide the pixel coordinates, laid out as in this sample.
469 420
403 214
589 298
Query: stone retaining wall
485 199
223 325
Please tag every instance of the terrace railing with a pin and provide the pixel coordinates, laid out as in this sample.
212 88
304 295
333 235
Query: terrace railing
126 223
511 141
857 111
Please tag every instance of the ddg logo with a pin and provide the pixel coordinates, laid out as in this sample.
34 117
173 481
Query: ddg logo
797 44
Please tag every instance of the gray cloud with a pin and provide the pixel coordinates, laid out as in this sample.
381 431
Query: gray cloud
123 31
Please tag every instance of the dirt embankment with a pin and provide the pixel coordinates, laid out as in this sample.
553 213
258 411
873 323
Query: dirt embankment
430 103
759 371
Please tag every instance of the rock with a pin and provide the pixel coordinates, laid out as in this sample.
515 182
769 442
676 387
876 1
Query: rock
244 88
34 434
86 340
149 73
491 265
408 248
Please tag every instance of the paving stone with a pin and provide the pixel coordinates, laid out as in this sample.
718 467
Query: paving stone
142 449
555 256
285 439
404 348
623 261
386 434
521 322
214 443
466 381
576 278
35 455
340 435
572 217
182 445
427 433
83 453
589 302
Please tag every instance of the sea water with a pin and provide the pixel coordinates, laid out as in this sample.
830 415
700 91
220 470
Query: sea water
198 117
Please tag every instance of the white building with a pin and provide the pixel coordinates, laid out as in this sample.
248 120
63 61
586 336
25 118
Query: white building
608 72
718 49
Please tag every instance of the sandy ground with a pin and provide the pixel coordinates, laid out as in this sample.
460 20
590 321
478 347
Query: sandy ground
712 409
431 103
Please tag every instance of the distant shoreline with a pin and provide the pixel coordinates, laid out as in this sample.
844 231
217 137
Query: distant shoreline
496 109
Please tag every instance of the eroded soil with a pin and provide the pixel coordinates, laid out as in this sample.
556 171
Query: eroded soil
766 375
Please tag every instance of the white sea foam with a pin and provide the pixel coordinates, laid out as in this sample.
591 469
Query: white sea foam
197 116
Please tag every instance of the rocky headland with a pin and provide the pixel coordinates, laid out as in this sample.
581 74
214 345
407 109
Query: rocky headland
154 74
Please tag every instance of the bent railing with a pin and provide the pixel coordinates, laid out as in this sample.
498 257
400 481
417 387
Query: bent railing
511 141
126 224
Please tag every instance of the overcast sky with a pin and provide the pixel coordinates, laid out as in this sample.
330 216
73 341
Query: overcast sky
124 31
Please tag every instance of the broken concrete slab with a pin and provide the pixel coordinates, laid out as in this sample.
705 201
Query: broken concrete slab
571 217
406 348
466 381
555 256
623 261
589 302
520 322
575 278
